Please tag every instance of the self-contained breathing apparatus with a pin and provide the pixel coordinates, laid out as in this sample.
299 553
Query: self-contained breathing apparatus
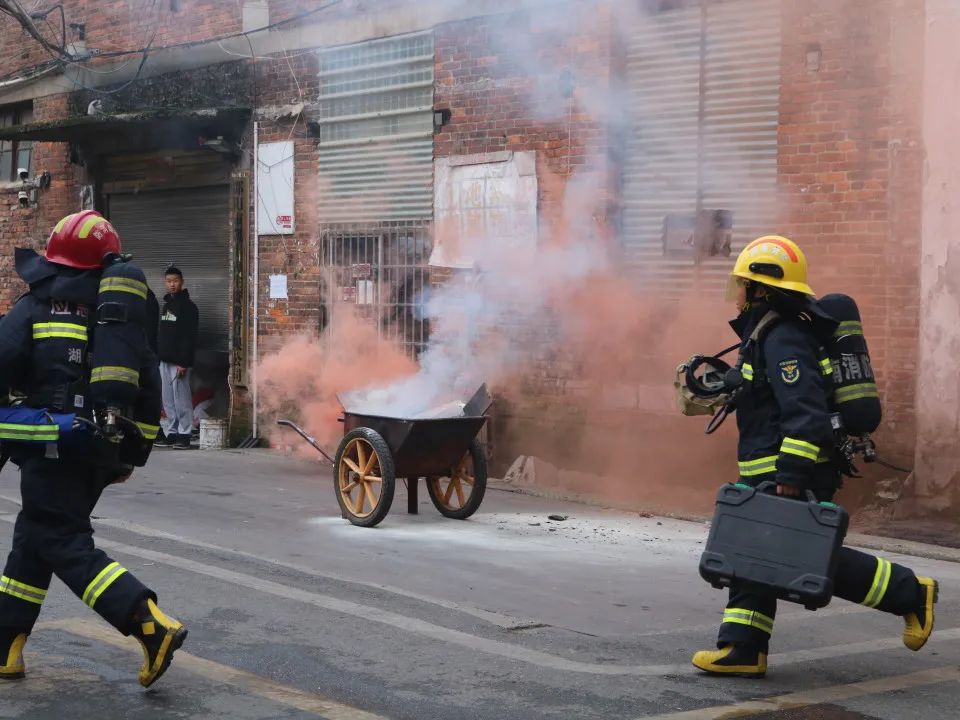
708 385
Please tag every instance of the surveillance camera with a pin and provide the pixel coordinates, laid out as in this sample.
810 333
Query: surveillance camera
23 197
24 174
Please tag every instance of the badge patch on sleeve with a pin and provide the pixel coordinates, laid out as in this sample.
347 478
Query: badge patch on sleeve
790 371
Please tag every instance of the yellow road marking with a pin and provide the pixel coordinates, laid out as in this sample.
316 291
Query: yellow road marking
246 682
835 693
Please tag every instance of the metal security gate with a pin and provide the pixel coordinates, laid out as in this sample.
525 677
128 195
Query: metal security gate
376 178
704 85
382 272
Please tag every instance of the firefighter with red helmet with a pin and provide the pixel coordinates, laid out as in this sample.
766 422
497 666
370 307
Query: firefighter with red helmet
76 347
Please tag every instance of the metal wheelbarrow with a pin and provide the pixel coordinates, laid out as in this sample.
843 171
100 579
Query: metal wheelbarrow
377 449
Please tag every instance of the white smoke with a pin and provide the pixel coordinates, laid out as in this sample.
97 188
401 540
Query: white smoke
482 321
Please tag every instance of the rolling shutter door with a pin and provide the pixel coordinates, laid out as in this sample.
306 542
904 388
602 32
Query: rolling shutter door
660 171
704 103
741 114
190 228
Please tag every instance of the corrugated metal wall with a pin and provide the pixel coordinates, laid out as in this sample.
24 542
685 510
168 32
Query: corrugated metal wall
704 101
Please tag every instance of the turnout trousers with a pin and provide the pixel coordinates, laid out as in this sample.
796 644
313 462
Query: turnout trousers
860 578
53 535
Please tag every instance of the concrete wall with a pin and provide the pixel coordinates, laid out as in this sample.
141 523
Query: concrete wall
937 473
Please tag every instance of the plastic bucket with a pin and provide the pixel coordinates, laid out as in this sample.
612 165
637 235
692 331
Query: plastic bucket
213 434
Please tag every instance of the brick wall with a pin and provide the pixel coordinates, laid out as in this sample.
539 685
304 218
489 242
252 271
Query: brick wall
511 85
849 163
30 227
286 82
849 168
120 25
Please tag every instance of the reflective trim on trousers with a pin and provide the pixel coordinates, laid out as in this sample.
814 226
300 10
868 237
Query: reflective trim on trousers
881 580
101 582
22 591
751 618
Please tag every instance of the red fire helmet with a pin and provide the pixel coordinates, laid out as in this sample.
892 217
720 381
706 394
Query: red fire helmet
81 241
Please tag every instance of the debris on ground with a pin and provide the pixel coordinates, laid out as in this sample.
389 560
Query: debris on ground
558 517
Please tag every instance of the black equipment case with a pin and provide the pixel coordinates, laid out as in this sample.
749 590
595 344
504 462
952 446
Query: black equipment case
787 545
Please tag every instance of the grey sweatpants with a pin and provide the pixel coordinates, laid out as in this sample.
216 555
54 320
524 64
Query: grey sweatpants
177 401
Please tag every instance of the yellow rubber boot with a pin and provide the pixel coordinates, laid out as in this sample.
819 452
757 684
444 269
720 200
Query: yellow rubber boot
11 653
159 636
919 625
732 661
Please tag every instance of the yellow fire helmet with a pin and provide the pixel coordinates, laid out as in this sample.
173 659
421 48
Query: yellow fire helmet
772 260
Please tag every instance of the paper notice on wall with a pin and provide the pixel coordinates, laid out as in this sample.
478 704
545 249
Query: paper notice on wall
365 292
278 287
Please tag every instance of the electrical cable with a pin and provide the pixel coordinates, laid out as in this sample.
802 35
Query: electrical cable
131 81
64 58
14 9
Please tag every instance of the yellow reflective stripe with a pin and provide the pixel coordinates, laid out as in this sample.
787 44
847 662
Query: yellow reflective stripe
750 468
44 433
881 580
20 595
849 327
150 432
128 285
116 374
102 581
750 618
63 221
803 449
747 371
23 586
88 225
827 367
54 329
22 591
856 392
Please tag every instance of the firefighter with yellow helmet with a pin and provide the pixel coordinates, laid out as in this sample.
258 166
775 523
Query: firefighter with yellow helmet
76 347
783 411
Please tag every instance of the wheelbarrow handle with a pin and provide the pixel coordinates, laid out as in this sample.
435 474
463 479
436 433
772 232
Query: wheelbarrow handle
297 429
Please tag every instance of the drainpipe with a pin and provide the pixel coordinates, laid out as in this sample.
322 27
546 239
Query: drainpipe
256 272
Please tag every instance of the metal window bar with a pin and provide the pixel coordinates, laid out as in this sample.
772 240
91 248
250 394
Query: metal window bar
381 269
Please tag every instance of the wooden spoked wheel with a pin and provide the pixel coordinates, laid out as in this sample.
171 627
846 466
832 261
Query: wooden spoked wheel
364 478
459 494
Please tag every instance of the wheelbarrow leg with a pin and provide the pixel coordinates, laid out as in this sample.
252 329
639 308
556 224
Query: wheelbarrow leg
413 485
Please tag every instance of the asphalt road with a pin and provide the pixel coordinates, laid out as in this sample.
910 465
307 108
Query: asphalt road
294 613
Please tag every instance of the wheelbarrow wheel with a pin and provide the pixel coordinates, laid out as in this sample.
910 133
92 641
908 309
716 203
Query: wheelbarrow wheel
364 478
459 495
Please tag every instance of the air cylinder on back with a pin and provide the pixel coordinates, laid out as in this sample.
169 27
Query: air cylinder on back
855 389
120 336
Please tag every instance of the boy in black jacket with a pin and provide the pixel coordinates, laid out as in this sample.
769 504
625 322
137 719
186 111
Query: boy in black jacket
177 340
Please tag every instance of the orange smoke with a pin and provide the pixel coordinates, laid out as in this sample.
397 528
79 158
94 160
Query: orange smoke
300 380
